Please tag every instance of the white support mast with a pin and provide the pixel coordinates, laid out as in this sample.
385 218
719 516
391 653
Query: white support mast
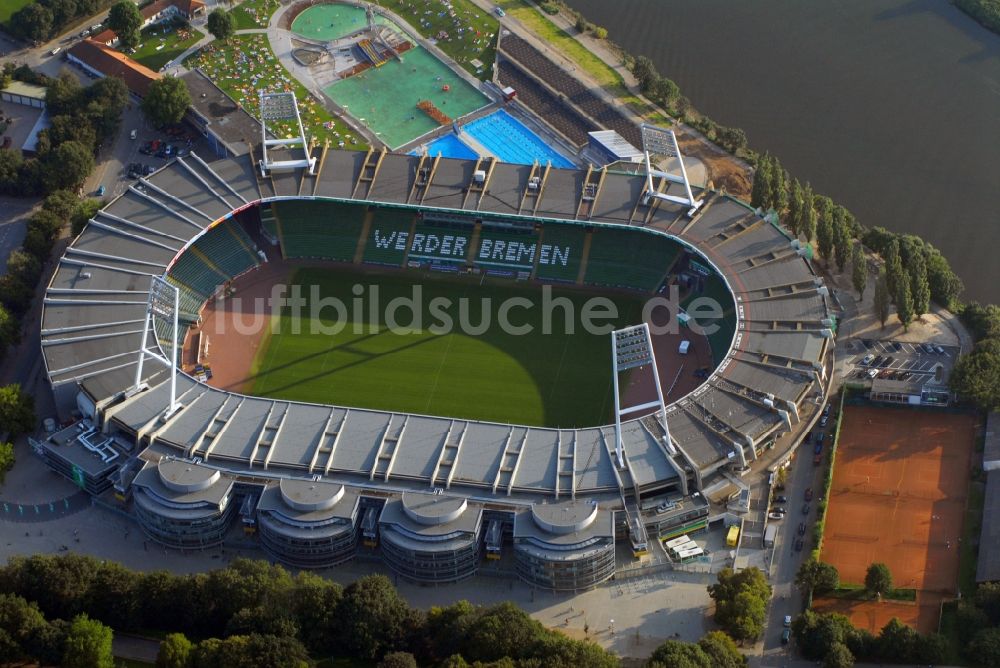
163 303
276 107
633 347
660 142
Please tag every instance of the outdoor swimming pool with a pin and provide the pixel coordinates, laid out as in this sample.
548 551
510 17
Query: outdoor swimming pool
510 140
329 22
450 146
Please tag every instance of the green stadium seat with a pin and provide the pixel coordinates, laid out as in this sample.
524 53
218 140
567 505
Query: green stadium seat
380 247
229 248
563 237
323 230
629 259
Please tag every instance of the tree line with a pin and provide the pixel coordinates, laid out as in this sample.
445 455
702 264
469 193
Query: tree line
987 12
977 374
42 20
253 610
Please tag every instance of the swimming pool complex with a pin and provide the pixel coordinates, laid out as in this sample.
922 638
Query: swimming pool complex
450 146
385 98
510 140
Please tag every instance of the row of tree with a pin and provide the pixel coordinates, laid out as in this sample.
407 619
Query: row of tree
25 634
366 620
977 374
976 622
41 20
831 638
986 12
664 92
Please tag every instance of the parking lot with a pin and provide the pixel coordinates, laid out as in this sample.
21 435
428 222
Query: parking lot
899 360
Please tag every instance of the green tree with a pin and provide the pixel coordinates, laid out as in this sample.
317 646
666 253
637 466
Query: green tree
893 267
10 330
61 203
221 24
167 100
740 602
175 651
838 657
126 20
17 410
794 217
645 72
896 641
881 298
984 649
678 654
945 285
859 269
976 376
600 32
664 91
67 166
810 219
825 237
64 94
777 186
87 209
24 265
398 660
88 644
878 579
920 289
904 303
721 650
6 459
373 617
841 238
760 192
817 577
33 22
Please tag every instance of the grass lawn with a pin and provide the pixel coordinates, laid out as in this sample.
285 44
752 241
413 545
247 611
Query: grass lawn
538 379
254 13
471 31
173 42
245 65
9 7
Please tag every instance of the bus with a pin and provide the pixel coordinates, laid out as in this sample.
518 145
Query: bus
674 542
733 536
690 555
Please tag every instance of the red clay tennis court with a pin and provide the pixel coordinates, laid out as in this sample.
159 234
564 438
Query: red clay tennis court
898 496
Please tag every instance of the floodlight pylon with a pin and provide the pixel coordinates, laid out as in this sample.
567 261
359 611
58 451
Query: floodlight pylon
661 141
163 302
282 107
632 347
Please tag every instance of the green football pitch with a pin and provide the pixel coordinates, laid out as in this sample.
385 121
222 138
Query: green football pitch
540 379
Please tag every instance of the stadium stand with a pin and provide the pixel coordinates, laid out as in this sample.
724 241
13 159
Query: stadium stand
563 236
499 246
268 222
381 248
573 125
576 93
713 287
324 230
620 258
229 247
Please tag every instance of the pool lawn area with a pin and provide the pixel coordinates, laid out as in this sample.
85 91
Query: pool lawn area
254 13
386 97
173 40
245 65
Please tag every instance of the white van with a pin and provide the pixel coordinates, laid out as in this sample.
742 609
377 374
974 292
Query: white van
684 347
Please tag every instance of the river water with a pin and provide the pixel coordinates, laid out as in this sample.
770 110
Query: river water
891 107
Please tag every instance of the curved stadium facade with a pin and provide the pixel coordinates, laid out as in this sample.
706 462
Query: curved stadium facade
438 496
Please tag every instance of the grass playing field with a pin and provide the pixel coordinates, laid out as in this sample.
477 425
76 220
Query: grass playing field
555 380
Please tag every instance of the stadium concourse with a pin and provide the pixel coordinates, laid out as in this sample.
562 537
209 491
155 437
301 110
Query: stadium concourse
434 495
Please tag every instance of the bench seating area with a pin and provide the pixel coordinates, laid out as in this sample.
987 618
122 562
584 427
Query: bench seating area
714 288
322 230
569 239
624 259
576 93
573 125
229 248
386 227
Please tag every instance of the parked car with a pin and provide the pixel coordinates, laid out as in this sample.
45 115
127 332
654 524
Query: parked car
802 529
897 346
55 51
786 635
818 448
149 169
820 436
133 134
788 621
889 359
823 420
817 460
780 499
776 516
809 493
939 350
867 359
100 191
806 507
798 544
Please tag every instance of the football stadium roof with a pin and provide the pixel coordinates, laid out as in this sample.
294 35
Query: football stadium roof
95 307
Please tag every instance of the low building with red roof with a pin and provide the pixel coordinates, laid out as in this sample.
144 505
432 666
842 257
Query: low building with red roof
102 60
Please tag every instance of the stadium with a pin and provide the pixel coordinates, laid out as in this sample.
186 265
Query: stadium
328 447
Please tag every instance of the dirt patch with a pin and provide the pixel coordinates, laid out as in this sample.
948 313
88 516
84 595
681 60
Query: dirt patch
898 496
722 169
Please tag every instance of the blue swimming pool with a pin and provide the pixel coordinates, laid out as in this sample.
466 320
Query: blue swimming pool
450 146
510 140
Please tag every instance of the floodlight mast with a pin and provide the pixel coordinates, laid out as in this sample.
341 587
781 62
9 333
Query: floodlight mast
282 107
658 141
633 347
164 302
